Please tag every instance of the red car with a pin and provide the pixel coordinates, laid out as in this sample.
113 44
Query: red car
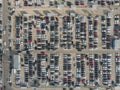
42 52
77 3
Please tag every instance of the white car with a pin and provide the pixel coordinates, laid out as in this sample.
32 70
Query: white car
118 84
108 28
96 40
77 84
116 22
4 43
109 55
17 81
52 77
103 30
78 56
10 79
91 56
92 83
4 32
116 19
38 2
105 82
91 36
116 2
90 27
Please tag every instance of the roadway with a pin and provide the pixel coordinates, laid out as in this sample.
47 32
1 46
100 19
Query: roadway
5 47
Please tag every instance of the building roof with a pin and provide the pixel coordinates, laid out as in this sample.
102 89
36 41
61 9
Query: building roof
117 44
17 62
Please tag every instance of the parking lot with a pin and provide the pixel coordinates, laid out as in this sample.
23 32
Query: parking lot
63 51
62 44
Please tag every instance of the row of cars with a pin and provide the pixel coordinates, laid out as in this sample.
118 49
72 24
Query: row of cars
17 34
55 74
67 34
106 32
90 3
23 38
1 51
42 70
41 36
67 70
93 62
116 26
54 33
107 69
80 33
44 26
117 68
92 29
80 69
103 2
31 69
